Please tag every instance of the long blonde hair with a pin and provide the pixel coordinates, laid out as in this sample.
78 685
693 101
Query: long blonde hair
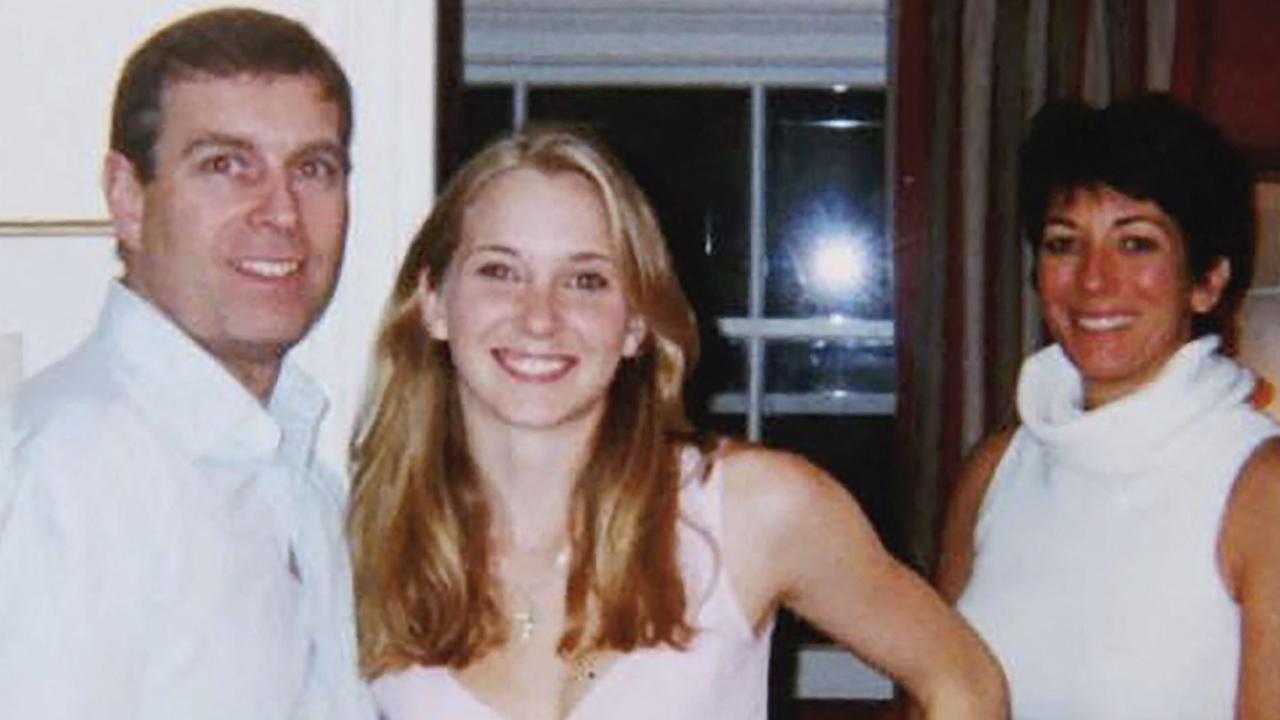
420 520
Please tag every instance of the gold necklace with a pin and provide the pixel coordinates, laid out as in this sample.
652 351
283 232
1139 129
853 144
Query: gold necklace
525 618
583 668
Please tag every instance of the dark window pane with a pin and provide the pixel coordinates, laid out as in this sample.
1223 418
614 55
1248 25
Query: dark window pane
732 426
827 254
690 151
486 113
830 366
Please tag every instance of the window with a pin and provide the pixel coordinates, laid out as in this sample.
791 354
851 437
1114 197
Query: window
758 134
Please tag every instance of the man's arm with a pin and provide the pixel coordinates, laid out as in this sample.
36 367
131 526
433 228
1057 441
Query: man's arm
70 606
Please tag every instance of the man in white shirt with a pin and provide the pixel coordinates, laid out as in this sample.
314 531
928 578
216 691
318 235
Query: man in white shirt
169 548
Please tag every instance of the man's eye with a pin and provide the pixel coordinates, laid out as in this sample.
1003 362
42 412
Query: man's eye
318 169
220 164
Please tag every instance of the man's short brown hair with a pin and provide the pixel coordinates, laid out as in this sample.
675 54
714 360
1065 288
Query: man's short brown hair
216 43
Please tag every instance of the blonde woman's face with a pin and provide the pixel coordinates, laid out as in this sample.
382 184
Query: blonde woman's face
533 304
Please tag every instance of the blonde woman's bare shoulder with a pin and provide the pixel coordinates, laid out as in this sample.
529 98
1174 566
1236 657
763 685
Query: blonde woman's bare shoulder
778 509
772 480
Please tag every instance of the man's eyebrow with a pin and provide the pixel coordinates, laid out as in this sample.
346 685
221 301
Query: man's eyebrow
215 140
326 147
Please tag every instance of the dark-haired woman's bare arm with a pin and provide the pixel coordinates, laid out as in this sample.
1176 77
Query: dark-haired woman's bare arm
955 544
1249 552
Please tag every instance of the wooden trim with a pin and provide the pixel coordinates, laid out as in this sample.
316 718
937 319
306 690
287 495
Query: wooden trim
60 227
1191 52
911 95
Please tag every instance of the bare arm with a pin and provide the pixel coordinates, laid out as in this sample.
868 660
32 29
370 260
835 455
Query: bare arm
795 537
955 555
1249 548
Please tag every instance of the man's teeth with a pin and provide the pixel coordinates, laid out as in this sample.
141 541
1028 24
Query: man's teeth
269 268
1102 324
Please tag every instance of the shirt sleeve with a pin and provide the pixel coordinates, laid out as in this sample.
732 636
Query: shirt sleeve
70 615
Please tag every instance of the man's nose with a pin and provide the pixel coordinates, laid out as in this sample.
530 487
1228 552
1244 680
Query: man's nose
277 206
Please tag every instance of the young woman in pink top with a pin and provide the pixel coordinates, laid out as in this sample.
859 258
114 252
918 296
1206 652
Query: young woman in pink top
538 533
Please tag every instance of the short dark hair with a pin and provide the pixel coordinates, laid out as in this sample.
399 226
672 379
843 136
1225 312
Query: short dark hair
1153 148
217 43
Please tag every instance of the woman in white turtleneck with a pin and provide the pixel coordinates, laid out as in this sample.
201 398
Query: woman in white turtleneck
1119 550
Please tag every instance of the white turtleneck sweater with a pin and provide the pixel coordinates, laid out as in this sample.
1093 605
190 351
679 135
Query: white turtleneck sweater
1095 577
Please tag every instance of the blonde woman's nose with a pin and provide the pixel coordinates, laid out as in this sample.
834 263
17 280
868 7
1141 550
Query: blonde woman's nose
539 309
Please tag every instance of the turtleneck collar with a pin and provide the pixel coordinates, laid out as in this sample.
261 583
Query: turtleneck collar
1126 435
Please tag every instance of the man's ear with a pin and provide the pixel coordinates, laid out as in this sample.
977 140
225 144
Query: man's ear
636 330
1206 292
432 306
124 192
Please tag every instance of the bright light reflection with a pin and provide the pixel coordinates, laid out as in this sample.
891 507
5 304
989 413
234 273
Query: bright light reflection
837 265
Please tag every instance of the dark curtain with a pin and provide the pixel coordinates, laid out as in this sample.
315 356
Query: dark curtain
967 76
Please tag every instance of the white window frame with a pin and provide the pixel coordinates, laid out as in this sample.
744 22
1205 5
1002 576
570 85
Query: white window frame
755 328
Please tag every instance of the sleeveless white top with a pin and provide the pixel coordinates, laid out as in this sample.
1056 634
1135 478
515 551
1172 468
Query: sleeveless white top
1095 577
723 675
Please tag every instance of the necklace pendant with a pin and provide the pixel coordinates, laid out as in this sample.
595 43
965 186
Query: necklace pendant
583 668
525 623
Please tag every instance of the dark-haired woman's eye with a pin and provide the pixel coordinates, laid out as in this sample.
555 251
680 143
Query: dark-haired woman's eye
1057 244
1139 244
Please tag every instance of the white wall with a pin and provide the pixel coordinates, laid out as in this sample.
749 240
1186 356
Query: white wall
58 66
1260 339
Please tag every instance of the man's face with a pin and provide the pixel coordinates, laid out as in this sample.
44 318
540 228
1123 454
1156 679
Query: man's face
239 236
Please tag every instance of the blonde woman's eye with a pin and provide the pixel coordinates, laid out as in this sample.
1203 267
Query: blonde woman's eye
497 271
590 281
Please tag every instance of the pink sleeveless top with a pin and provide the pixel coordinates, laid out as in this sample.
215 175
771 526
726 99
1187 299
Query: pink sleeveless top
723 675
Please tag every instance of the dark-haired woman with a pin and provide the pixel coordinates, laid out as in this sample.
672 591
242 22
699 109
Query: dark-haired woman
1120 549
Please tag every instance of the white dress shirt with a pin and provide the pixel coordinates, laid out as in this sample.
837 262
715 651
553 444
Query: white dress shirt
168 546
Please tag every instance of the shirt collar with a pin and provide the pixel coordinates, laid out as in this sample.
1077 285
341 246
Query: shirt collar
190 397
